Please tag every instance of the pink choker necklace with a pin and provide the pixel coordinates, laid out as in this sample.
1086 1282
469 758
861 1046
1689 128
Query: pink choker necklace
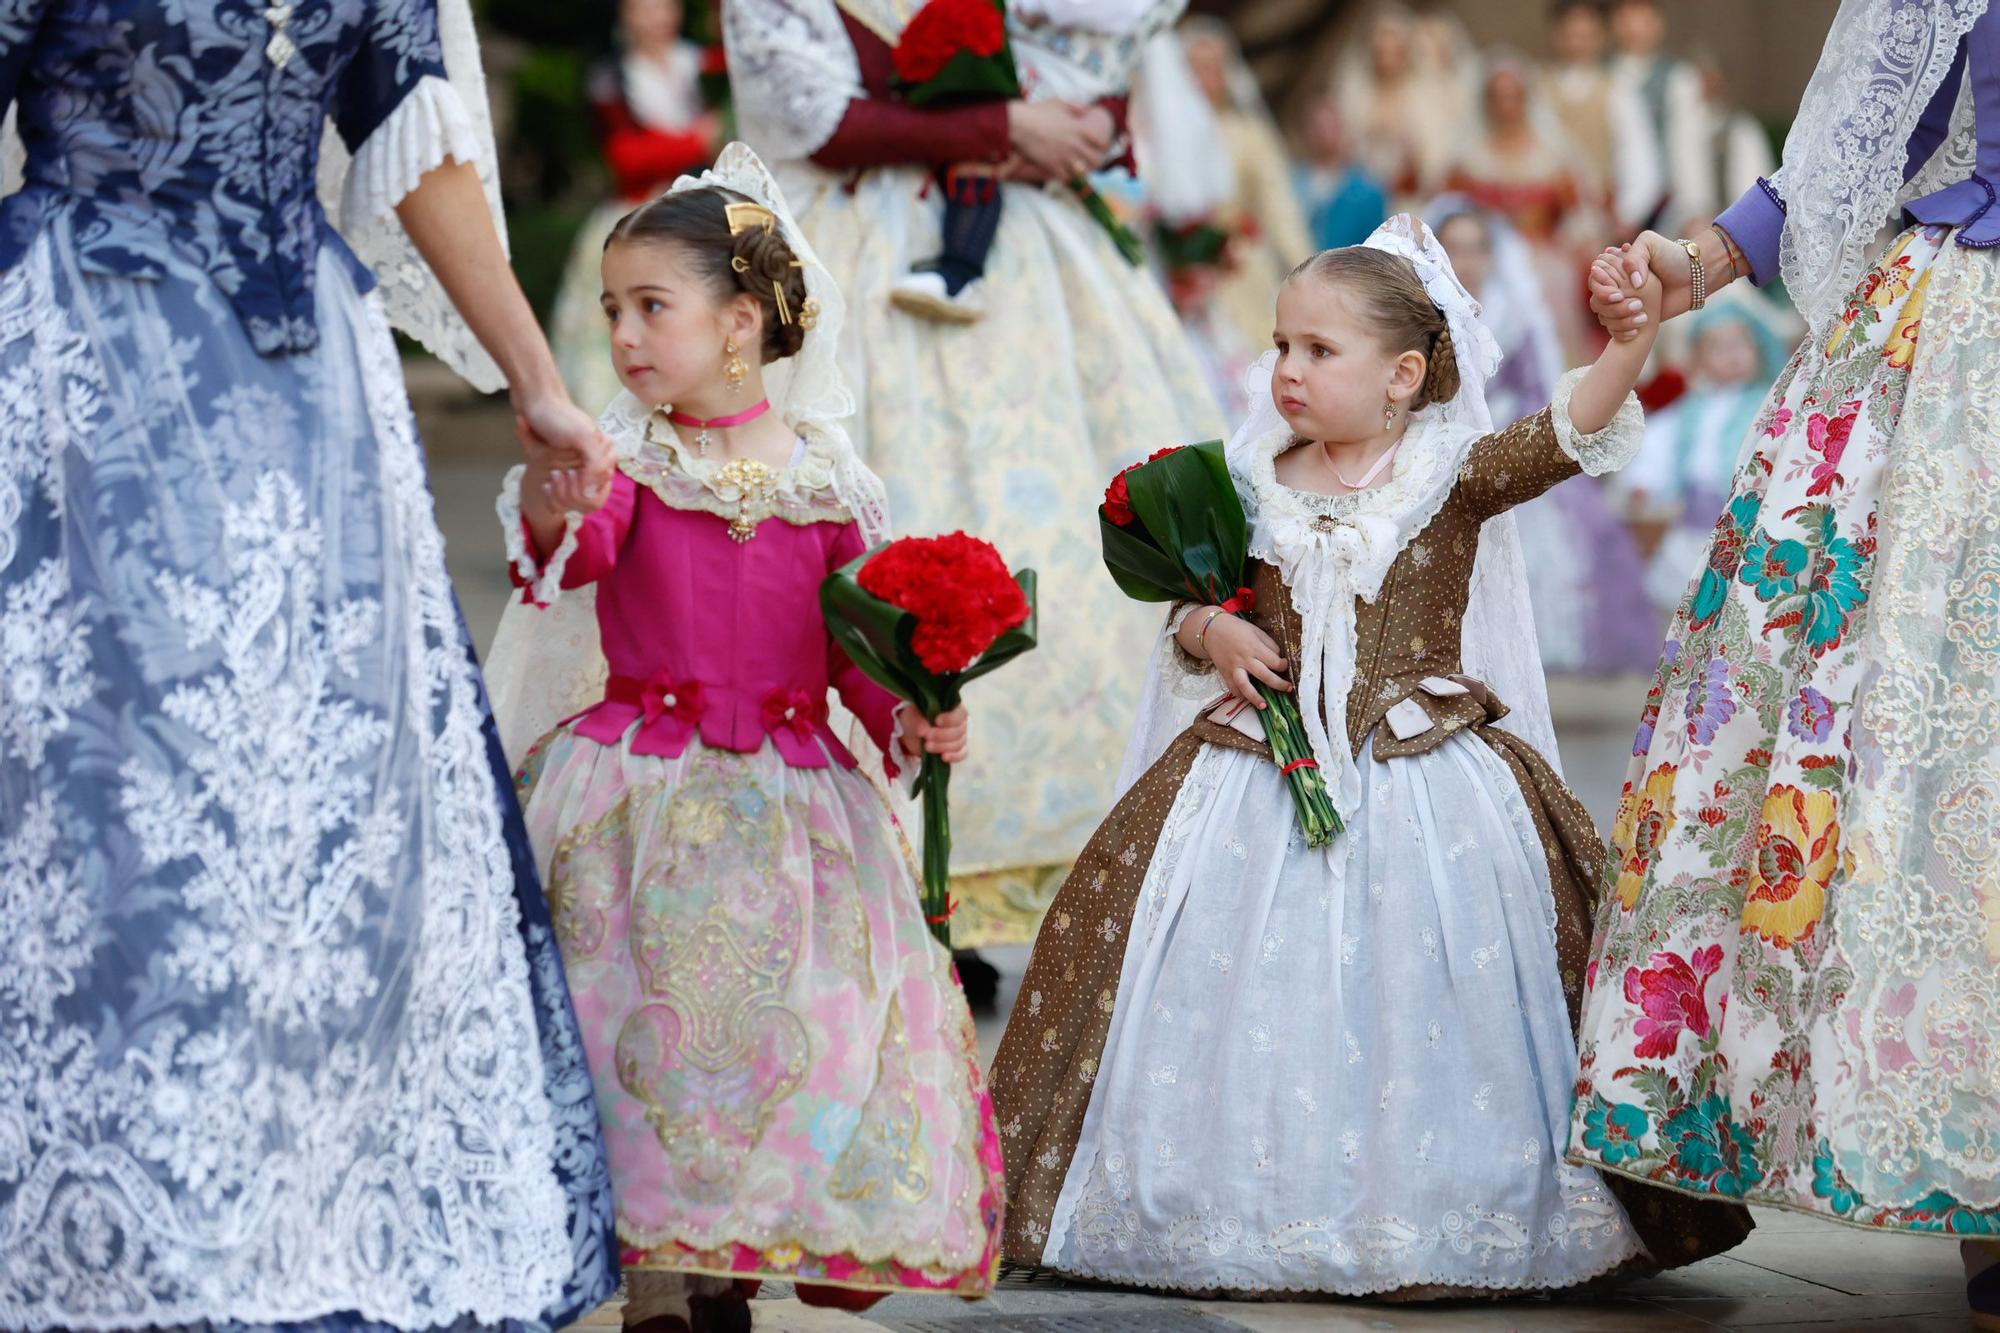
702 428
1368 477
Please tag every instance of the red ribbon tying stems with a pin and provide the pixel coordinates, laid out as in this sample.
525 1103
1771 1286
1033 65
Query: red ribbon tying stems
1243 603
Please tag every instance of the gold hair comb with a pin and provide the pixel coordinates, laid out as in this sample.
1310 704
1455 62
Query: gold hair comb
743 216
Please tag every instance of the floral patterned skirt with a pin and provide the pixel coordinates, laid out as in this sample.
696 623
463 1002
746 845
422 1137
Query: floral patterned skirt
786 1070
1792 992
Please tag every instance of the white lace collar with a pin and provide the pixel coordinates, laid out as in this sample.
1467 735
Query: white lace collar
809 473
806 491
1426 467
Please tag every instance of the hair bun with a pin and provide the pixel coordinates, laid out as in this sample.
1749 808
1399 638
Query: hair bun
766 257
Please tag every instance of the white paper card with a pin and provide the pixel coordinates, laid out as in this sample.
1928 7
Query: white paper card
1230 711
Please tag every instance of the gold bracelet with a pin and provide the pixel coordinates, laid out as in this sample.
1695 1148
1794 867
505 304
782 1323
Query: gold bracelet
1201 638
1739 266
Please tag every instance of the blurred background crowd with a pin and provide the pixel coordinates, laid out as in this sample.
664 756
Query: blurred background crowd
1529 136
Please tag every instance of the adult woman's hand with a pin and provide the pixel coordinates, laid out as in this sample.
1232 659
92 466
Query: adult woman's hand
559 436
1059 140
447 218
1614 288
1614 299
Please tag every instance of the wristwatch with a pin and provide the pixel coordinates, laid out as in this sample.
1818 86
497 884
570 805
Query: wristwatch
1698 276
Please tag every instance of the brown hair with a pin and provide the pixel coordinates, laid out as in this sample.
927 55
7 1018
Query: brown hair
753 260
1398 308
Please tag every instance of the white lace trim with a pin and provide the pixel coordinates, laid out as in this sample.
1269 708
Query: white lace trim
804 492
793 71
411 295
1604 450
1190 677
427 128
1844 156
544 578
907 764
1388 1250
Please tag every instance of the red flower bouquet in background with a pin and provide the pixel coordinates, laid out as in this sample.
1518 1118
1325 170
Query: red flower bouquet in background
1174 530
955 48
959 49
922 617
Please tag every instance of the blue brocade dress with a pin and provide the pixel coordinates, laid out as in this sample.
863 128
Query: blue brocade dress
284 1035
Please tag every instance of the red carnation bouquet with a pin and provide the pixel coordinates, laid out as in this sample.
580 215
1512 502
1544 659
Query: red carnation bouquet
1174 530
922 617
959 49
955 48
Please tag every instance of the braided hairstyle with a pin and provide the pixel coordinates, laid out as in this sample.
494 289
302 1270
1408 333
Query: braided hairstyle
753 261
1399 310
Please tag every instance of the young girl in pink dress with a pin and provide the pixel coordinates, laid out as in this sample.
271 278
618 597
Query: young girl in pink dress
785 1067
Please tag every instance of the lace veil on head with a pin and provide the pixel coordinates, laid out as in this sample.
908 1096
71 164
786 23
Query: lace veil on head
546 663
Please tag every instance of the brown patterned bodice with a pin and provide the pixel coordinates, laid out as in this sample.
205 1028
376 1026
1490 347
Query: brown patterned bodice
1412 629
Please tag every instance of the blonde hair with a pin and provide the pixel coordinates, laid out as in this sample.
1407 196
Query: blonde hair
1399 310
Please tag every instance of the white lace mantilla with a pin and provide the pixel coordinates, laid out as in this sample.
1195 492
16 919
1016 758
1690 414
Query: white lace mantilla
1849 144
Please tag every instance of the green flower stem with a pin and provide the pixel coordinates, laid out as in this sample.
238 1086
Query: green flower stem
1286 732
934 780
1122 236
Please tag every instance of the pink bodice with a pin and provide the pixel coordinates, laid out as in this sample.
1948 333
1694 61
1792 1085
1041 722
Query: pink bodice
707 635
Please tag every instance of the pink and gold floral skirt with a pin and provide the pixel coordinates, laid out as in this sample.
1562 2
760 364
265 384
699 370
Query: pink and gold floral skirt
785 1067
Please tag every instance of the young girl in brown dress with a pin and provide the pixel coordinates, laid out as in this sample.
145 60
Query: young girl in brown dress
1239 1063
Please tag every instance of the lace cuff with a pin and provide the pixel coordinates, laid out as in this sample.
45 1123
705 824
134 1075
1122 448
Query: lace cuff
1193 677
431 124
1604 450
428 126
541 581
901 766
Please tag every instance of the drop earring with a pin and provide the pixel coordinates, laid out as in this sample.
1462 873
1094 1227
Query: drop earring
1389 414
733 369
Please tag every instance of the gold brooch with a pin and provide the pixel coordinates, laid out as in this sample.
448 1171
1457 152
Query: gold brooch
753 485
